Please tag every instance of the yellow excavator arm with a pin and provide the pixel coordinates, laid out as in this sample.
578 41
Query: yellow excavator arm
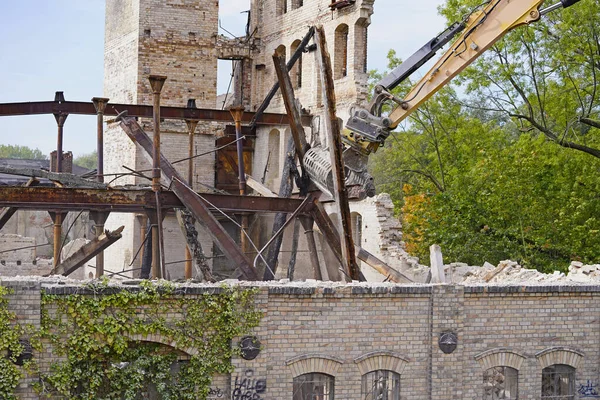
368 129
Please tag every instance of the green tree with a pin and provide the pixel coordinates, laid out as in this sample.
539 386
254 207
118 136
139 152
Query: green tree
89 161
468 178
544 76
23 152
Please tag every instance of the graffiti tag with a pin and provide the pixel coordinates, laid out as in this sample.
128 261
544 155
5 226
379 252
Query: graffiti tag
248 387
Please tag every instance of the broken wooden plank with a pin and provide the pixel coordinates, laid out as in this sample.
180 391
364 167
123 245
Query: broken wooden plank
259 187
66 179
333 131
381 267
231 250
87 252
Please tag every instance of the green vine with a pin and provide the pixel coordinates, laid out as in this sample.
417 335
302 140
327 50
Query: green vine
93 337
10 348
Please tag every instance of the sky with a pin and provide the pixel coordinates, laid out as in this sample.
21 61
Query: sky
58 45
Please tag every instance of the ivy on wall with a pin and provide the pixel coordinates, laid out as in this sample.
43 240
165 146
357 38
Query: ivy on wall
10 348
96 356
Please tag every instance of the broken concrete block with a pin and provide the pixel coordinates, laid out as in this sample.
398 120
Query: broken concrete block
15 248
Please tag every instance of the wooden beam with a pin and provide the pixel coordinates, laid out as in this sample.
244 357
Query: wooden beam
333 131
287 91
259 187
87 252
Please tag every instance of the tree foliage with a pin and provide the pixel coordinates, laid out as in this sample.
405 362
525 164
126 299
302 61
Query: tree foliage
22 152
95 337
507 166
89 161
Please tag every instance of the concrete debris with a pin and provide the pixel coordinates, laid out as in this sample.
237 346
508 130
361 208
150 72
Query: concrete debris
510 272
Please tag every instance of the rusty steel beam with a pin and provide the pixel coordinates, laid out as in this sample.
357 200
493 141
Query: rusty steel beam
332 126
231 250
126 200
141 111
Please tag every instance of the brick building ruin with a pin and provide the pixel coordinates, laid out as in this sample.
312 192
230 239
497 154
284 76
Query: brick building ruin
180 40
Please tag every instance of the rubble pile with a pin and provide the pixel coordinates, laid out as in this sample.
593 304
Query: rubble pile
510 272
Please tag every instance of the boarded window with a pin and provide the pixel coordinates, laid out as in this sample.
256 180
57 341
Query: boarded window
500 383
381 385
313 387
558 382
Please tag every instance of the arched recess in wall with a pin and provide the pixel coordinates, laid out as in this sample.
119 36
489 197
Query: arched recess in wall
360 45
272 167
340 63
281 7
296 72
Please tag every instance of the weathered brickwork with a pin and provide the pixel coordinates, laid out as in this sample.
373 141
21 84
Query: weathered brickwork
177 39
348 330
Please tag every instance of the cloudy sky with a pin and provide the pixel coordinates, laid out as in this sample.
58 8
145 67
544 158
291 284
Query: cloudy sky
57 45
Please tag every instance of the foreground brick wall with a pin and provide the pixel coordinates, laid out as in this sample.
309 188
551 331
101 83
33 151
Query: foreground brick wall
349 330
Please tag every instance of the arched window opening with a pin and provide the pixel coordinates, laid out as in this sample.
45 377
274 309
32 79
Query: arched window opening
341 52
297 4
500 383
381 385
558 382
296 72
313 386
360 45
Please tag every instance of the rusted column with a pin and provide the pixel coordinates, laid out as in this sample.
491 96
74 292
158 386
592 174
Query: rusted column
57 218
237 113
100 105
191 125
157 82
60 117
332 128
